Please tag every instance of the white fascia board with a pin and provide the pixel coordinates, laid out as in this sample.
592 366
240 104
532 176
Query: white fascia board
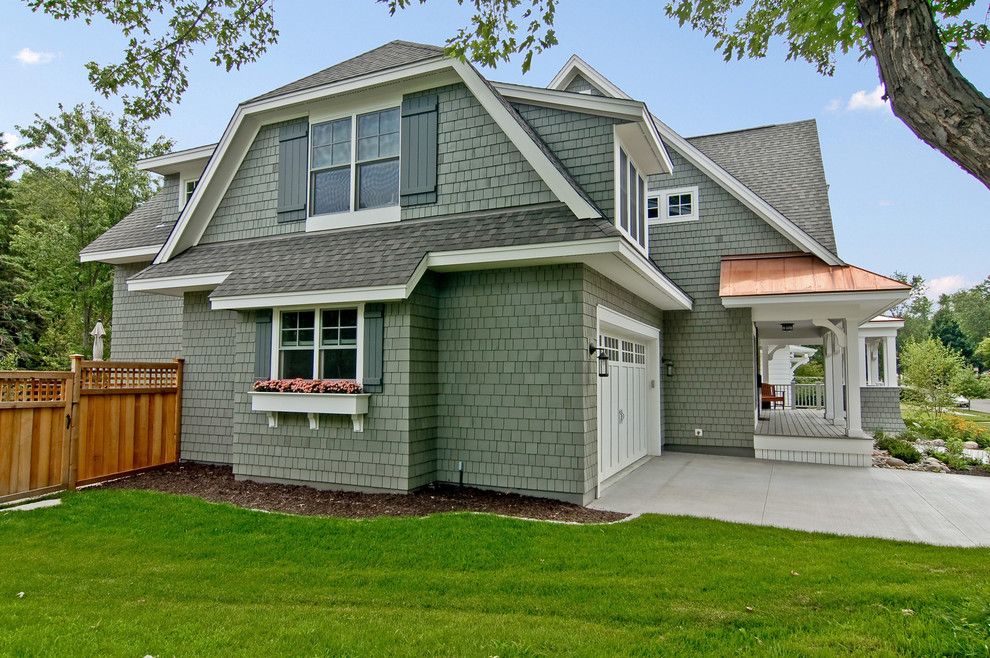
632 325
745 301
575 65
172 162
121 256
545 253
311 298
746 196
177 285
556 181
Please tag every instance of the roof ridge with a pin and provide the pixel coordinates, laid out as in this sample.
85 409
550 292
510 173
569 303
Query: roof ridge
752 128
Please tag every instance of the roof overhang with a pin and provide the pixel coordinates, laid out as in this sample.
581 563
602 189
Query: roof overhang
249 117
121 256
180 162
576 66
613 257
856 306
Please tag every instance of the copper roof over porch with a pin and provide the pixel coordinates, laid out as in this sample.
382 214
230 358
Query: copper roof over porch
796 274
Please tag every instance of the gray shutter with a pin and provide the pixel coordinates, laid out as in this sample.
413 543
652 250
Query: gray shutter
374 339
263 344
418 161
293 170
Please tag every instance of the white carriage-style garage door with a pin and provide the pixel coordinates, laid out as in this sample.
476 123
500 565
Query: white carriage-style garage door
626 409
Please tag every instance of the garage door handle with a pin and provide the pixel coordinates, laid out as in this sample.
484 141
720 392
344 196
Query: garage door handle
622 415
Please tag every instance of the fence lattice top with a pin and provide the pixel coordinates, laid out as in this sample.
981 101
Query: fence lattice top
121 374
32 387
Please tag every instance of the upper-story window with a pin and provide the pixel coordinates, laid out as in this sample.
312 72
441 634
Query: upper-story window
352 168
188 190
631 201
677 205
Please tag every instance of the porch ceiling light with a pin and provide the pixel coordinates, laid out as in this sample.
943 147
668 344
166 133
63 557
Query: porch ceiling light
787 326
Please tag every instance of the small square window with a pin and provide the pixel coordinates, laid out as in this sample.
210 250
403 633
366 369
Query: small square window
653 208
673 205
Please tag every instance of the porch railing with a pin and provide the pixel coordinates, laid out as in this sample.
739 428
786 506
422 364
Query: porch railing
802 394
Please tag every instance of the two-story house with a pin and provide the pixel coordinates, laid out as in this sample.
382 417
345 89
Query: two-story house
537 288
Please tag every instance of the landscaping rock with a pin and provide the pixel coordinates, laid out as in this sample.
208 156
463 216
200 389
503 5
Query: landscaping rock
894 462
971 445
938 442
933 465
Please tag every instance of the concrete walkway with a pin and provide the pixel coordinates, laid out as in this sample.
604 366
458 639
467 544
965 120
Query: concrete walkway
934 508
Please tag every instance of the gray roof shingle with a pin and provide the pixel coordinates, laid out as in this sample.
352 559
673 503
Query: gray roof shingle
144 227
352 258
783 165
390 55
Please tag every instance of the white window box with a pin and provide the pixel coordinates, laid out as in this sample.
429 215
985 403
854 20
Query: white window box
312 404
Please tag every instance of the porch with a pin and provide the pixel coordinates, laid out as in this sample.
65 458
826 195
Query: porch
808 423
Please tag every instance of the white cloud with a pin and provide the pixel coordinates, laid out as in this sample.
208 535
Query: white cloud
10 140
885 203
867 100
833 105
945 285
28 56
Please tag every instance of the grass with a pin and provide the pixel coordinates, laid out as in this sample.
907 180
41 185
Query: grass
978 417
118 572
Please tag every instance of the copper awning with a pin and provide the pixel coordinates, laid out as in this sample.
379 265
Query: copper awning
797 274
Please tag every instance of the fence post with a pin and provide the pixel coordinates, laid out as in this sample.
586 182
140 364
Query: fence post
180 363
74 420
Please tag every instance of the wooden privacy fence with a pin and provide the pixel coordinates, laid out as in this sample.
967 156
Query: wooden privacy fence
101 419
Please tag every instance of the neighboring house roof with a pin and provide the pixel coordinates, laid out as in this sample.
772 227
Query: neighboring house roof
369 256
390 55
783 165
797 274
144 227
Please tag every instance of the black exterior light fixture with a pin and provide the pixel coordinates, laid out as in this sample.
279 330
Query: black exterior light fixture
602 359
668 367
787 326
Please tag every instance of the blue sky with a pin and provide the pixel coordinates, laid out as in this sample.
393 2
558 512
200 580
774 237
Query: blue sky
896 203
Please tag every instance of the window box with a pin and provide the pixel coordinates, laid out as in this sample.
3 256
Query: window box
312 404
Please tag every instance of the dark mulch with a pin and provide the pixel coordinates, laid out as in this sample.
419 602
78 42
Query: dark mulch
217 484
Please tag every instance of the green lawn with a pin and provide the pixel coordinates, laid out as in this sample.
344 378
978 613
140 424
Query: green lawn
979 417
133 573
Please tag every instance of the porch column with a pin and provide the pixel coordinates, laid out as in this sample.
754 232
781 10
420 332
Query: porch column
854 375
828 350
873 353
890 361
840 356
864 365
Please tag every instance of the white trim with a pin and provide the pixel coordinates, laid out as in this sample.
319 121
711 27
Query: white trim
310 298
819 297
174 161
663 207
278 309
121 256
620 147
312 404
575 65
626 323
521 252
368 217
177 284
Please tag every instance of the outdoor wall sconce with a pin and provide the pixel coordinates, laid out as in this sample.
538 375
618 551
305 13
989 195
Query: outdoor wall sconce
669 367
602 359
787 326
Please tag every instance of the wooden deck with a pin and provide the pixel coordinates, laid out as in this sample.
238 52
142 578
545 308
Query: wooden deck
807 423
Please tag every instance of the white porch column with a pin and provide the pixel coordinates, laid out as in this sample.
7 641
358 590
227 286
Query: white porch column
838 377
860 343
890 361
854 375
828 349
873 354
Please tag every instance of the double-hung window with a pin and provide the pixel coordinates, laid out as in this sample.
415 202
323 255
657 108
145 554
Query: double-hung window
631 201
354 163
318 344
190 187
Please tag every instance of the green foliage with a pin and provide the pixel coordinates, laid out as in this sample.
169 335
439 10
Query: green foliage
491 38
945 327
916 311
89 183
812 369
933 370
897 447
982 353
971 308
970 385
162 35
947 427
172 575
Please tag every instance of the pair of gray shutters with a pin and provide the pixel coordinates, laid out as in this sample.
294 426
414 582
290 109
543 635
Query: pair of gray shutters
373 346
417 159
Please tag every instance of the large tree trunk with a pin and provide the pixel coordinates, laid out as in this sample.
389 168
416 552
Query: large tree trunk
925 89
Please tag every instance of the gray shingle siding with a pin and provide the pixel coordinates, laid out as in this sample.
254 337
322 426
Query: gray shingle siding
248 208
584 144
711 347
478 167
579 85
881 408
208 394
144 327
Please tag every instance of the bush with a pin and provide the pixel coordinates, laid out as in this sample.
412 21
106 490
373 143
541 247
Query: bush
933 370
972 386
955 462
897 447
948 428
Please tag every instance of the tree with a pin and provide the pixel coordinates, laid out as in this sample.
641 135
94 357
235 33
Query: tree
972 311
982 353
89 185
933 371
945 328
916 311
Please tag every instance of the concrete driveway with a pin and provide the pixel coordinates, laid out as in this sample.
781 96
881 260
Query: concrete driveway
934 508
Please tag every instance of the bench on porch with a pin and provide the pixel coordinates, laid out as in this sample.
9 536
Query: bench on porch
769 396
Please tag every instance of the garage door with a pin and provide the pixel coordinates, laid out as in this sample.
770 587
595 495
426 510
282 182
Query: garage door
623 405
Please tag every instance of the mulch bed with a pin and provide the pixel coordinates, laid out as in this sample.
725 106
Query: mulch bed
217 484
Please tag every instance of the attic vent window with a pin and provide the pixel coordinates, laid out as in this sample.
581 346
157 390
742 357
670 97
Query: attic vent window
668 206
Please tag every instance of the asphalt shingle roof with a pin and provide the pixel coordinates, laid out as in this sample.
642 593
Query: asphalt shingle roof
390 55
783 165
347 258
142 228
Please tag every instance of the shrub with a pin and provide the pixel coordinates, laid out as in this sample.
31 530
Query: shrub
897 447
933 370
948 428
955 462
972 386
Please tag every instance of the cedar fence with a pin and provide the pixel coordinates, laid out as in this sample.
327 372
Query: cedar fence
101 419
